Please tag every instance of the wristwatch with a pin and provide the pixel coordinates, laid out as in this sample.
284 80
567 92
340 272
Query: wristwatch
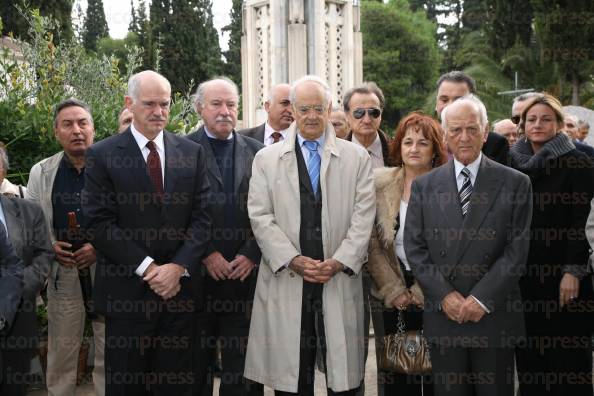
186 274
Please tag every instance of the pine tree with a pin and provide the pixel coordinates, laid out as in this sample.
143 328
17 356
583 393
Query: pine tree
133 26
188 41
233 54
95 25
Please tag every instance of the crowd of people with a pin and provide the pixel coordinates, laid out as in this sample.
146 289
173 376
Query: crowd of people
262 255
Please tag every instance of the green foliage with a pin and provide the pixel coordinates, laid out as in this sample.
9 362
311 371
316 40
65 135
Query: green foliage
117 48
95 25
400 54
189 42
52 73
233 54
16 24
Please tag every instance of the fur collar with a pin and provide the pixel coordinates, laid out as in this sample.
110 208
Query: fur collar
389 185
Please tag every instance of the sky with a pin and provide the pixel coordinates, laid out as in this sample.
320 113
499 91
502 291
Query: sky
117 13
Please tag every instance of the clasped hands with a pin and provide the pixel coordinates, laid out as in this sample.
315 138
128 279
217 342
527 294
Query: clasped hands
405 299
315 271
460 309
82 258
164 279
221 269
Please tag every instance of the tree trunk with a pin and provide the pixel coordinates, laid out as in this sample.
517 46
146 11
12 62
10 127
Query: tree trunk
575 91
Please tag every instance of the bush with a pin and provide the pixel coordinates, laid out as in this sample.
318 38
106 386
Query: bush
51 73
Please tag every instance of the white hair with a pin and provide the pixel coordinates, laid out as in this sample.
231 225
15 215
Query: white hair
474 101
135 80
311 78
201 90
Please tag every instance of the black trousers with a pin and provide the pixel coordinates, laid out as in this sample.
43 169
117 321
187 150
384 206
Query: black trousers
151 356
555 365
313 339
15 377
472 371
230 331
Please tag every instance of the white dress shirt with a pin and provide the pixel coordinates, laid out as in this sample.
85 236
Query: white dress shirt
141 140
268 131
399 241
375 151
473 168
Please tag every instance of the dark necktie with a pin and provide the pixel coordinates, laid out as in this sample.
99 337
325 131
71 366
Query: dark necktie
465 191
276 136
313 164
153 162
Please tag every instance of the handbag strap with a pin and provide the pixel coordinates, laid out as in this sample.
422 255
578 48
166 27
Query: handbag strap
401 328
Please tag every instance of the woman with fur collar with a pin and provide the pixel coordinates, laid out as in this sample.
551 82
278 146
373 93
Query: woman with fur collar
416 149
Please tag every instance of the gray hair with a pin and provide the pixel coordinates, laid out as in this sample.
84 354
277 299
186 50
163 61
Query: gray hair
71 102
271 92
584 124
496 123
201 89
312 78
472 100
3 158
524 97
367 88
135 80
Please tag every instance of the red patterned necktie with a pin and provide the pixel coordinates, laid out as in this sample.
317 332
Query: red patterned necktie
276 136
153 162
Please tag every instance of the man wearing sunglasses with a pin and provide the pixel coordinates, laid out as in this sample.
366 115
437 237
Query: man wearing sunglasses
518 107
456 84
363 106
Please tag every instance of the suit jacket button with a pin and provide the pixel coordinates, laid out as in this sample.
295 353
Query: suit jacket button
442 253
452 278
487 256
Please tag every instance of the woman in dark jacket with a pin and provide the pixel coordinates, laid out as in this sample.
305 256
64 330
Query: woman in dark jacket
556 357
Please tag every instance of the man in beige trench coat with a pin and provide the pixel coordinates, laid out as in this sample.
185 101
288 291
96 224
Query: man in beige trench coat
311 204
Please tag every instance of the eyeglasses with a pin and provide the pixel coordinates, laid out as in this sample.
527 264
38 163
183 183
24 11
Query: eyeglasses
303 110
516 119
371 112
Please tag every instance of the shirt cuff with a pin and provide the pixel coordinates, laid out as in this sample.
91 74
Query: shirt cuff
143 266
481 304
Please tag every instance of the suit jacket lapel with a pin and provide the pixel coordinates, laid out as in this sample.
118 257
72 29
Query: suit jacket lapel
15 225
484 194
240 161
211 162
303 174
172 156
138 169
447 196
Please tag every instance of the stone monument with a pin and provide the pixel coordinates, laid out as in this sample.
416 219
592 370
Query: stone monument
283 40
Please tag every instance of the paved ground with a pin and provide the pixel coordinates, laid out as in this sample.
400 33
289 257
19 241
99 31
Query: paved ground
370 381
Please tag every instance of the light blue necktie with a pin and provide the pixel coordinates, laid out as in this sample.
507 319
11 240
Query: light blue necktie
313 164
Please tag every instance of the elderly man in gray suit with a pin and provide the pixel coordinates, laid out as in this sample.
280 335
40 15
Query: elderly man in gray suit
466 238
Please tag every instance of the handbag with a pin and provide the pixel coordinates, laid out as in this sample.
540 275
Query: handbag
405 352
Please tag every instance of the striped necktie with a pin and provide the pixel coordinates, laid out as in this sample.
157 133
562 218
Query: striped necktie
313 164
465 191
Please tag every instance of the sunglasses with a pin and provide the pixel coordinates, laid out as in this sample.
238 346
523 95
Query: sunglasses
371 112
516 119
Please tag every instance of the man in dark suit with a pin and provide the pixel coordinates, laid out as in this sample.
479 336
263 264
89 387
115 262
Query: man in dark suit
280 116
466 239
454 85
145 198
11 288
232 252
29 235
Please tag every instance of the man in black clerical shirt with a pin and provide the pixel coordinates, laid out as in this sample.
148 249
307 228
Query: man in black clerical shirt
232 254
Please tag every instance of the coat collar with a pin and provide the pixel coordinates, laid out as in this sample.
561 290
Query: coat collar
330 146
389 185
